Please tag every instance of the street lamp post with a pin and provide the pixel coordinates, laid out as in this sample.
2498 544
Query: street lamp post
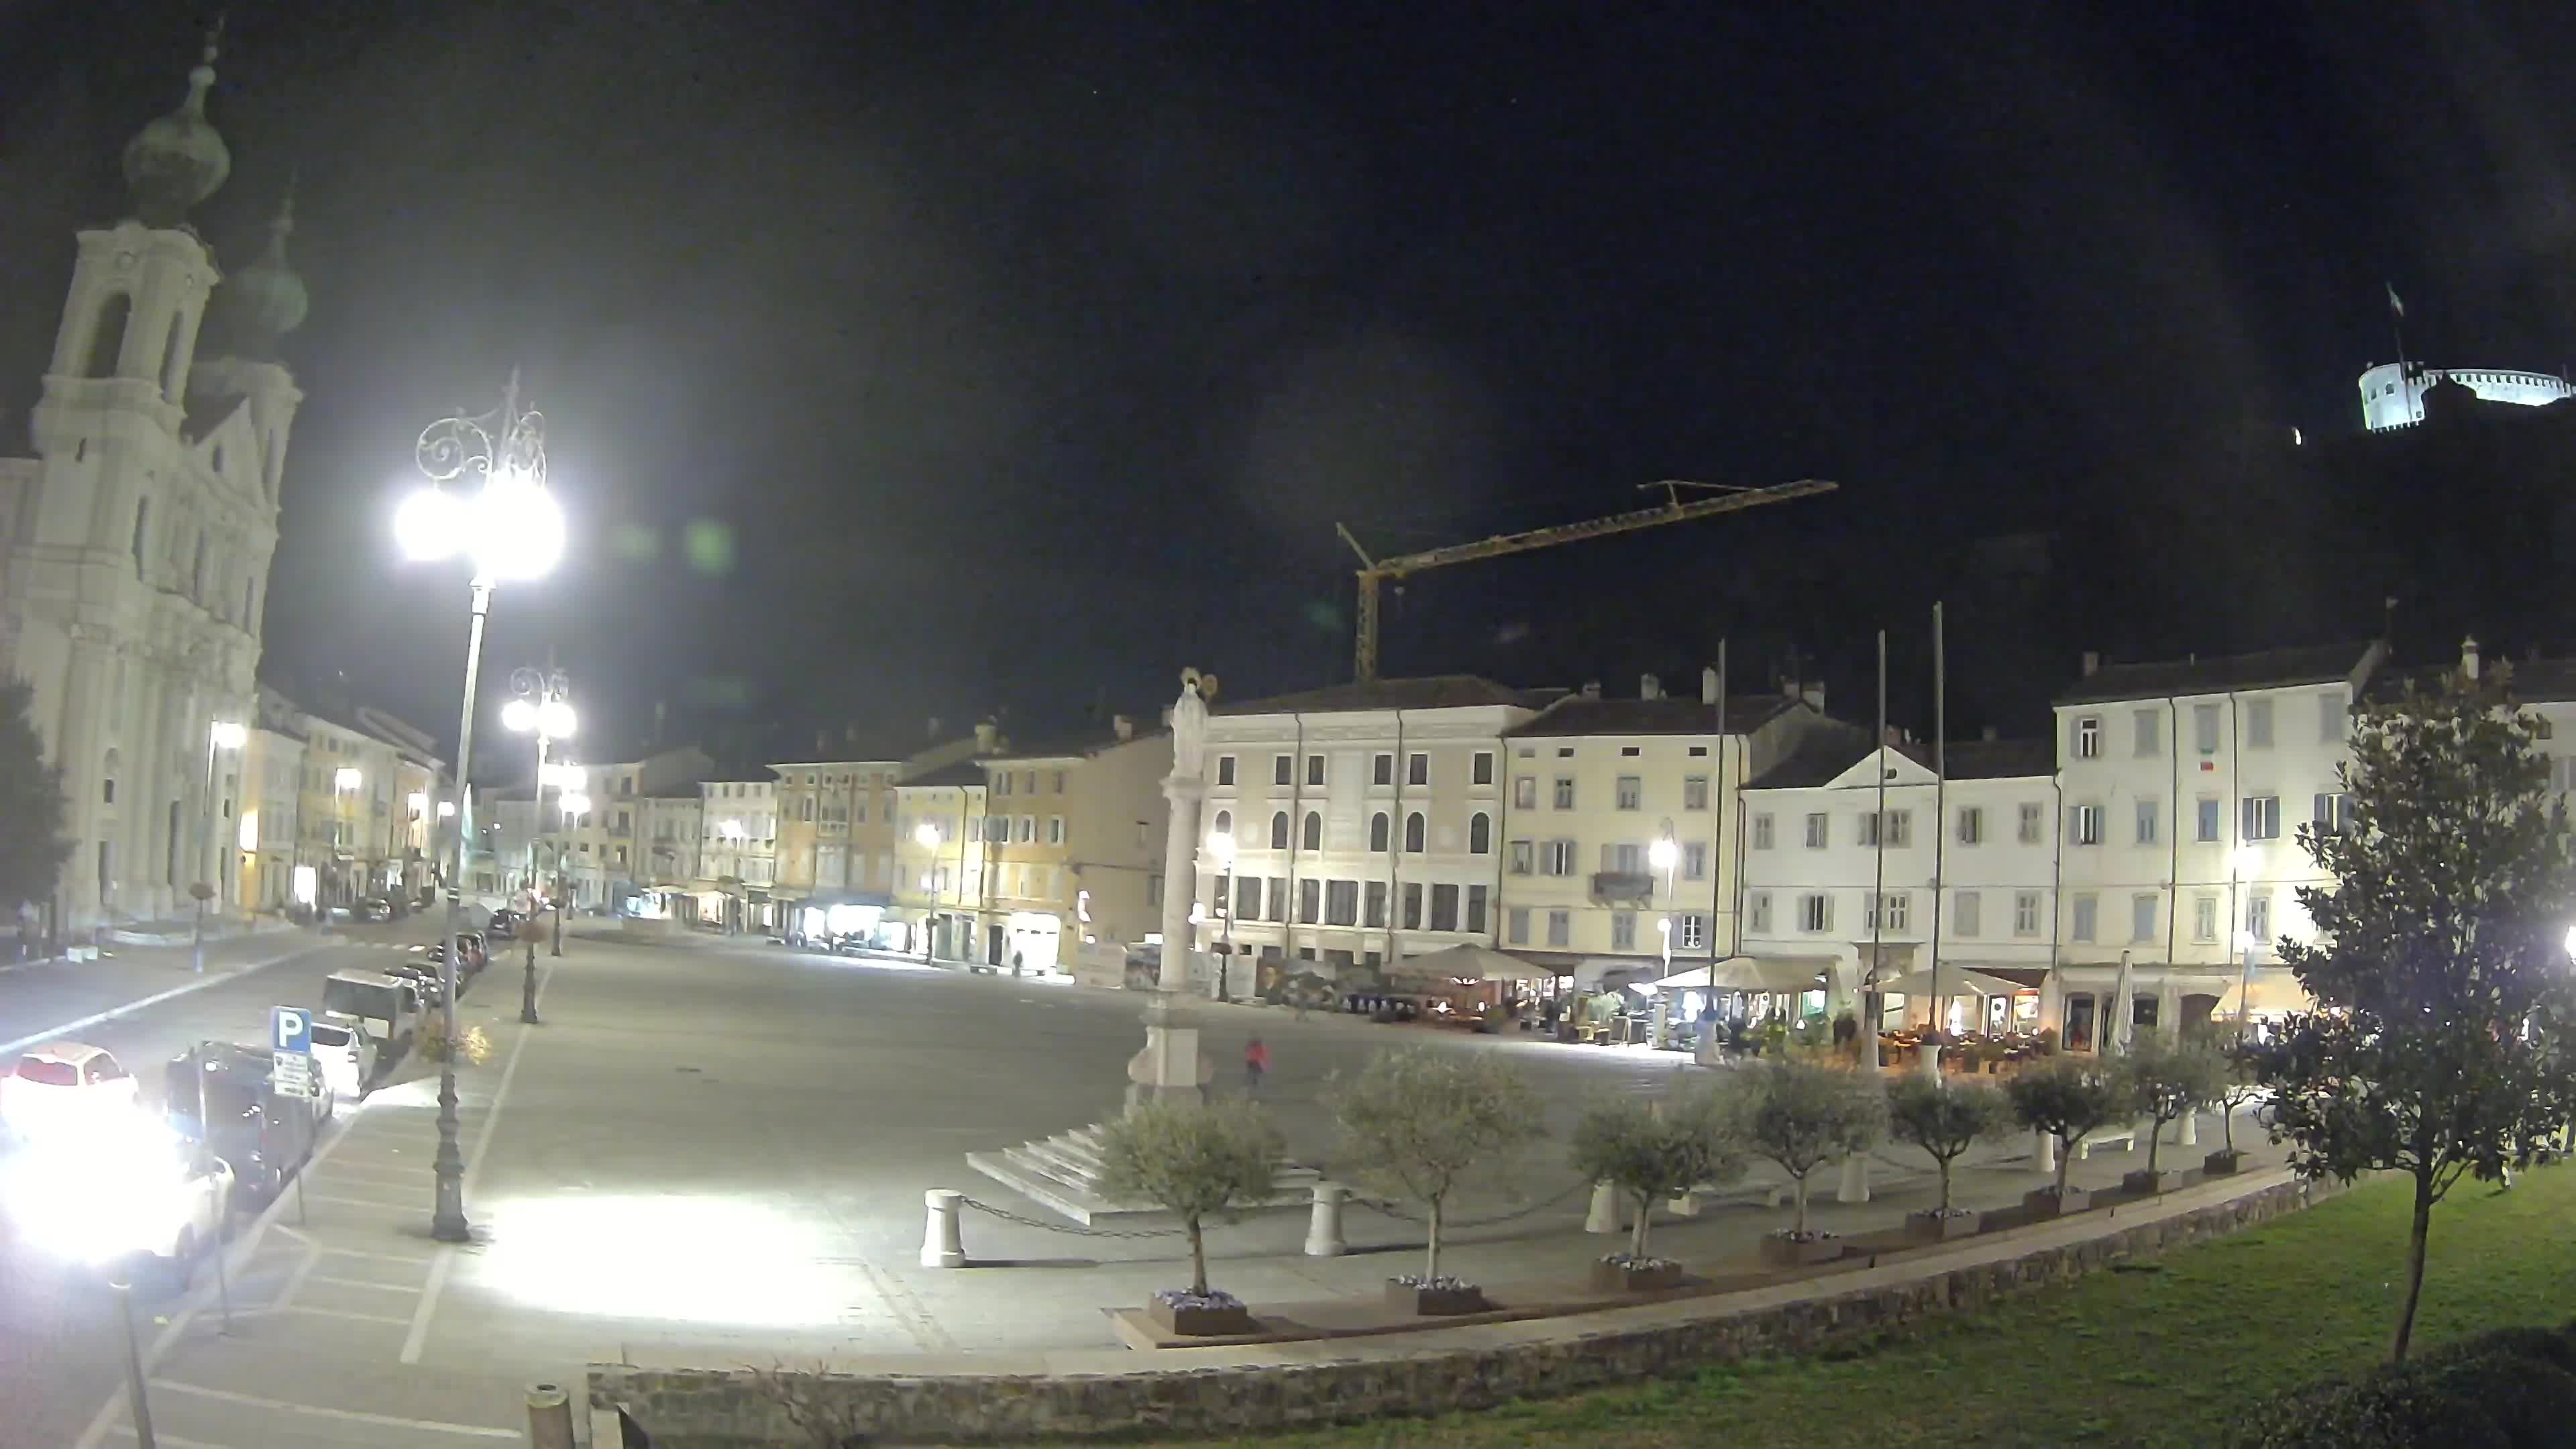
501 519
221 735
926 835
1221 845
538 707
1660 857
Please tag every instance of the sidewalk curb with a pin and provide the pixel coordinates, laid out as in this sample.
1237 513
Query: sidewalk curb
198 984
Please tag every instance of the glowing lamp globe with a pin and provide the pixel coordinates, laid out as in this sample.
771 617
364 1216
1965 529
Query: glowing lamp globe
1661 854
229 735
556 718
518 716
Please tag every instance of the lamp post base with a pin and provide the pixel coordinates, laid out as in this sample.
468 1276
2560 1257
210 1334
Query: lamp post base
447 1219
528 992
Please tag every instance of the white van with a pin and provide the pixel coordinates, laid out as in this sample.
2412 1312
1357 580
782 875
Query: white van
386 1007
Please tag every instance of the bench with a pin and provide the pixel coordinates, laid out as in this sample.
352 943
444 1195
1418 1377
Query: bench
2127 1137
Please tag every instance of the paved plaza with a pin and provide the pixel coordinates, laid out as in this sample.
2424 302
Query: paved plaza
716 1151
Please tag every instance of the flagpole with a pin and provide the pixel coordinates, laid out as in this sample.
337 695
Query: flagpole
1940 835
2397 330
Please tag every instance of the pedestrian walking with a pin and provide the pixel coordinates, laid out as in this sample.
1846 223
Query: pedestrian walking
1297 998
1256 1065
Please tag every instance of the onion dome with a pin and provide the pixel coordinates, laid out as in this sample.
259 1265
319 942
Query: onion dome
178 160
264 301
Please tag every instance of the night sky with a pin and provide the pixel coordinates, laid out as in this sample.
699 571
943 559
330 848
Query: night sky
939 358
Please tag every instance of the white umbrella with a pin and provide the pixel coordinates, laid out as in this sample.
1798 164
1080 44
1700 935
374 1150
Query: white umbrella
2115 1031
2052 1002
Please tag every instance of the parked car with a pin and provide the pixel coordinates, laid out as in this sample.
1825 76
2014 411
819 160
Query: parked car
264 1134
64 1086
387 1007
344 1056
375 908
131 1191
504 926
475 957
425 976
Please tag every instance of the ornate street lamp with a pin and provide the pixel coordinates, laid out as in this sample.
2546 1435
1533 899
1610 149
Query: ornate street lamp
538 706
1220 844
486 502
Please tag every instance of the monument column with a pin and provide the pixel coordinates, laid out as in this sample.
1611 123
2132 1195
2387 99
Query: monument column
1172 1065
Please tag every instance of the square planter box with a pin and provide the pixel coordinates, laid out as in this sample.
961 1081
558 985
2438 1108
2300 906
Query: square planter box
1782 1252
1435 1302
2222 1163
1199 1322
1618 1278
2045 1204
2161 1181
1926 1228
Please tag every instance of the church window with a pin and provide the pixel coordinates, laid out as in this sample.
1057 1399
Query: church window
107 339
142 530
171 358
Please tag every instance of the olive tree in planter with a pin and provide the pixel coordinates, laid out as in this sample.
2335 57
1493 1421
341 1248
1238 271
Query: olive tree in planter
1945 1119
2066 1097
1417 1123
1199 1160
1648 1152
2238 1084
2165 1084
1802 1117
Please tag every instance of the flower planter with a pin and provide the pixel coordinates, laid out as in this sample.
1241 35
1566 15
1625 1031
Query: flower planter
2222 1163
1651 1277
1200 1320
1782 1251
1933 1227
2163 1180
2046 1203
1436 1302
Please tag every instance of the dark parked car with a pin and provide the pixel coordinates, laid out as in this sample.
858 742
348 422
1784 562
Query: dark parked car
428 975
504 926
263 1133
375 908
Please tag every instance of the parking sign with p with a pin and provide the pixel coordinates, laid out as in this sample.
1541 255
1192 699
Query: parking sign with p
290 1029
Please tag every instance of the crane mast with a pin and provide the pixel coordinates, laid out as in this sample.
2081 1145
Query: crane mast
1673 510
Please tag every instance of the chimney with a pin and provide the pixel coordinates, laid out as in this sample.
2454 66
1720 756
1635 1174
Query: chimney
988 737
1124 725
2092 662
2469 657
1649 687
1708 685
1989 735
1592 689
1814 695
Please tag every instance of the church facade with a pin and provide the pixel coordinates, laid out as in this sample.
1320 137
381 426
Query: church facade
134 568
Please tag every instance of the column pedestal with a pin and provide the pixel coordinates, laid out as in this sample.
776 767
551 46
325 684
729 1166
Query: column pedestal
1172 1067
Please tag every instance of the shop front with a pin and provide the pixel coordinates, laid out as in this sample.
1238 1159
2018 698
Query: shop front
1031 941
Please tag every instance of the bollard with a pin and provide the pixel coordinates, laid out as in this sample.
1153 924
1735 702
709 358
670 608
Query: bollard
1855 1183
138 1403
1603 1216
2043 1152
1324 1222
549 1417
2190 1129
941 1247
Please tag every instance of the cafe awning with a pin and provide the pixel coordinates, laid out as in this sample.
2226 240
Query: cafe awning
1752 973
1475 963
1955 981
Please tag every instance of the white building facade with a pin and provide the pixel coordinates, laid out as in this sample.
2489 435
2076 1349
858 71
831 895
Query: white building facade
2393 396
737 849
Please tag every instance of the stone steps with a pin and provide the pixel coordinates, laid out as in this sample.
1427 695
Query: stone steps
1063 1172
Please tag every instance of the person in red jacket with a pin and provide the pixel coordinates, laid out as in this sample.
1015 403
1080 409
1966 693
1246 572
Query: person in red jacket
1256 1065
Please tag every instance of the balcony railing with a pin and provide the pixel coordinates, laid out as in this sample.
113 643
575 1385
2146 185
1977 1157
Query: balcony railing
1635 887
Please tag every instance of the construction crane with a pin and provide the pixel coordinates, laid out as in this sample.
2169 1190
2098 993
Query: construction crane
1672 510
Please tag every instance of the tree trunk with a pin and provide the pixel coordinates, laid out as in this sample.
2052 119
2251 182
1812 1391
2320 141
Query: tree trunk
2155 1140
1198 1254
1637 1234
2065 1158
2415 1242
1945 1187
1799 1224
2227 1124
1431 1258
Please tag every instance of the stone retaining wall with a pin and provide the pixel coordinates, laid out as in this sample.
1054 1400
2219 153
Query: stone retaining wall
1471 1367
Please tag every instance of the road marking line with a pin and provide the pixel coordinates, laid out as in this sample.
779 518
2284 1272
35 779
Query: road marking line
350 1416
343 1313
391 1207
173 1440
362 1283
419 1335
129 1008
417 1260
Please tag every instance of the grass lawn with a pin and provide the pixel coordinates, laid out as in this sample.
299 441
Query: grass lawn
2159 1356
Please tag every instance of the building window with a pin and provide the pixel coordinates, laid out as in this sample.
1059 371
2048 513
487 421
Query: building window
1224 824
2084 824
1564 792
2144 722
1762 831
1001 782
107 335
1623 930
1374 905
1413 833
1890 911
1516 922
1521 856
1314 833
1279 898
2032 813
1028 830
1417 770
1480 834
2146 822
2258 920
2086 908
2333 812
1691 931
1817 831
1382 770
1310 902
1444 908
1757 912
1484 768
2204 728
1378 831
1632 792
1815 912
1413 905
2204 918
2205 820
2262 817
1342 903
1314 769
1560 924
2025 913
1279 770
1055 829
1525 792
2088 738
1225 769
1868 830
1556 857
1476 900
1965 910
1694 792
1247 896
1279 830
2258 724
1695 860
2142 918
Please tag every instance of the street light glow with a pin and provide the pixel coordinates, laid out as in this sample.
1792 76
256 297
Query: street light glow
1221 847
518 716
1662 853
557 719
510 531
346 778
926 835
446 808
229 735
576 803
